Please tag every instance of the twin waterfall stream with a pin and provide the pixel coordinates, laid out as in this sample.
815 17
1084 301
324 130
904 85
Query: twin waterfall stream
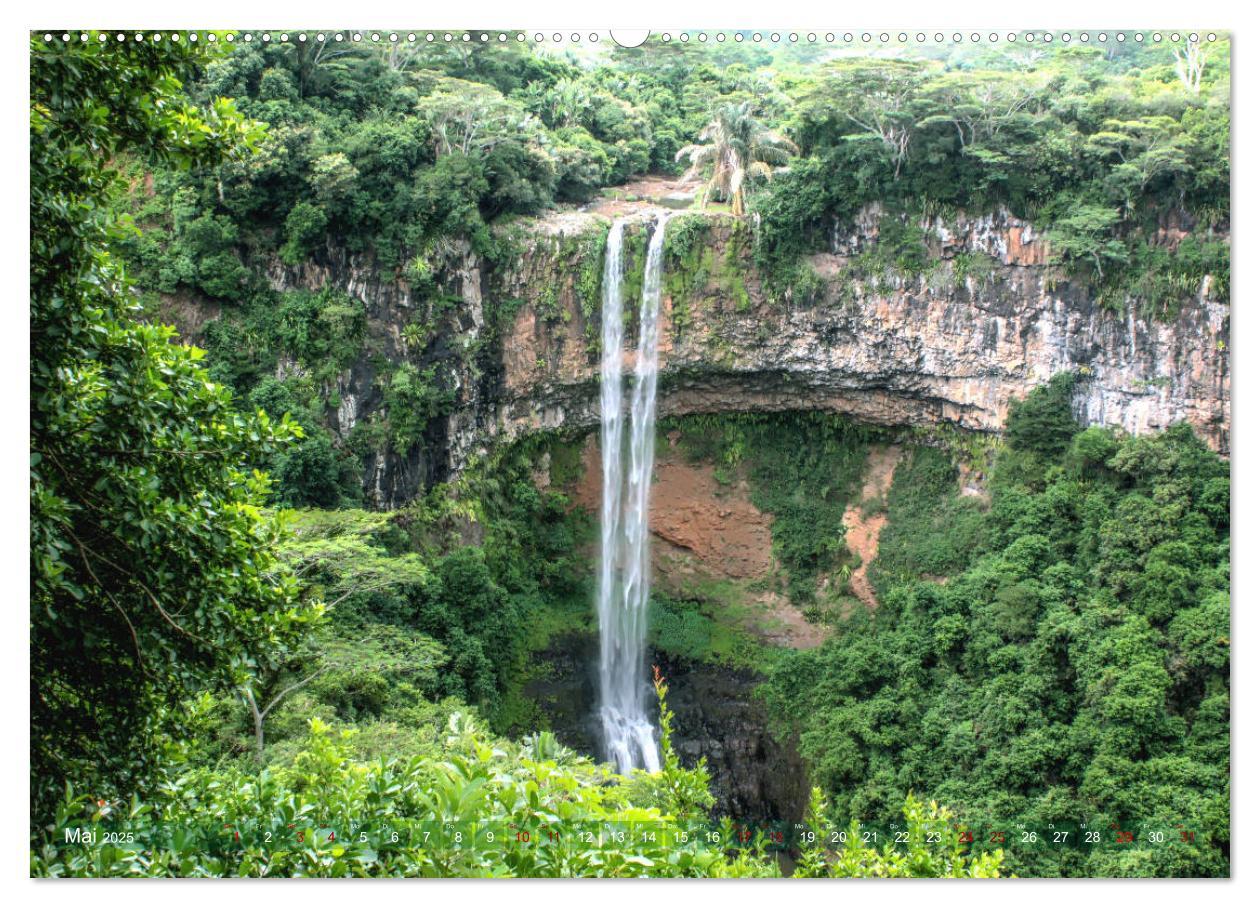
624 568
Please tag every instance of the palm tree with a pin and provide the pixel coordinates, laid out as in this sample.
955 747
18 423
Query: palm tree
737 144
568 101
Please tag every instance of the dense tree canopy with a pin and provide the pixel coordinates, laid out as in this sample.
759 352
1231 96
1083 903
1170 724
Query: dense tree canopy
1056 650
1101 147
1063 655
153 570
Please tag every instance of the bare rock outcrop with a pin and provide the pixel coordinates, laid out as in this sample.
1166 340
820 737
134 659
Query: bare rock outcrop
987 321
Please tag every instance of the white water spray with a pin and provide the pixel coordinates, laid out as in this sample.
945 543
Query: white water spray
625 570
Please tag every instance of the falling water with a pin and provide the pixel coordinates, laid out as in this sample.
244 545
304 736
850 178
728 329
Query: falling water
624 575
611 631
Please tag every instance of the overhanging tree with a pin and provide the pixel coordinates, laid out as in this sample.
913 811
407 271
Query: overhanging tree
153 568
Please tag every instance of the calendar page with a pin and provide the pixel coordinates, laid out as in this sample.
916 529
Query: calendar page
742 453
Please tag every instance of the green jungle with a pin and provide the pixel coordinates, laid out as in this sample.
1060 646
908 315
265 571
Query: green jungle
234 651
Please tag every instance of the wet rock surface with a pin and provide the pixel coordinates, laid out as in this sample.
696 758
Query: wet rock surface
717 716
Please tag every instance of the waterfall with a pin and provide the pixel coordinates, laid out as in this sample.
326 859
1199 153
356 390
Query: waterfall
625 569
611 631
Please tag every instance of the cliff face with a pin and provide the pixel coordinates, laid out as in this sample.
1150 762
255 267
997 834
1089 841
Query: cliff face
984 323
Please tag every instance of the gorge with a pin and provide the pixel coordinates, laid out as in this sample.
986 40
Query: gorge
937 357
396 406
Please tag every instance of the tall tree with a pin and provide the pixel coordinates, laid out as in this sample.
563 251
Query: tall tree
735 144
878 98
153 570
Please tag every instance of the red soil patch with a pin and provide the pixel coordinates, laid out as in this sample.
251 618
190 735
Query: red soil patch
862 533
704 530
717 525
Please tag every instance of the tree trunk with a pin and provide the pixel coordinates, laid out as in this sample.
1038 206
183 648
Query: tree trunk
259 739
259 742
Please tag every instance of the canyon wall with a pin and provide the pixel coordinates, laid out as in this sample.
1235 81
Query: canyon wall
989 319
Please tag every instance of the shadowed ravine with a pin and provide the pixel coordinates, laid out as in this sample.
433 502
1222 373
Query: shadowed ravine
717 716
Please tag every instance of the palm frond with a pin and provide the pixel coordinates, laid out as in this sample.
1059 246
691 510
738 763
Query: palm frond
738 146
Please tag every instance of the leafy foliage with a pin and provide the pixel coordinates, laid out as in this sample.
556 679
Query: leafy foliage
1047 672
923 824
406 815
931 531
469 806
1103 151
1043 423
153 569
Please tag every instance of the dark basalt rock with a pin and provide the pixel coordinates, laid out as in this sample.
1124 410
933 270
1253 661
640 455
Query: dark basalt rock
717 717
